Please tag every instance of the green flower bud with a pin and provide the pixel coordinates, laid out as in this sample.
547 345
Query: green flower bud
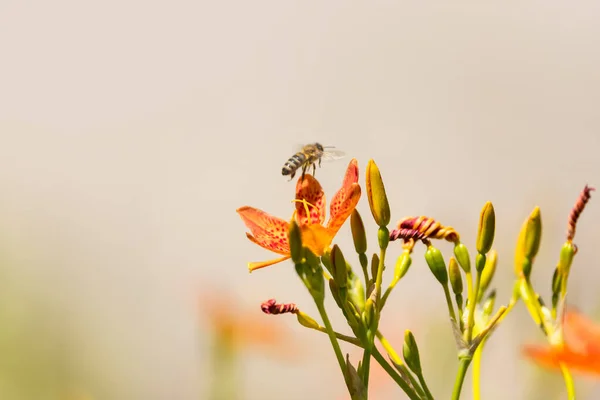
306 321
566 258
339 266
455 276
374 265
402 265
486 229
488 271
436 263
358 232
410 351
380 208
462 256
528 243
480 262
295 239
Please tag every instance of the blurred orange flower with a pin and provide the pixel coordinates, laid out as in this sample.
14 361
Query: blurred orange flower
579 351
271 232
238 328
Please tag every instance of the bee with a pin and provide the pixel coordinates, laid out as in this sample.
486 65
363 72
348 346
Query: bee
309 155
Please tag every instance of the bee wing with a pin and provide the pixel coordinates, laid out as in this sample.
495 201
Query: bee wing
331 154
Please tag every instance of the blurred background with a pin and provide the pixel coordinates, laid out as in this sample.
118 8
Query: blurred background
132 130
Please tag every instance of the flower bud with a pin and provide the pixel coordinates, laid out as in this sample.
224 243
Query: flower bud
462 256
488 271
358 232
436 263
295 239
306 321
566 258
455 276
410 351
339 266
378 201
402 265
528 243
374 265
486 229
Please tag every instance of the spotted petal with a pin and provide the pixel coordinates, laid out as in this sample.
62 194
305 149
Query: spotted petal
346 199
310 197
267 231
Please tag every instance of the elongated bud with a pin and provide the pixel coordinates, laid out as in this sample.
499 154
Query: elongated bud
455 276
326 260
528 243
566 258
487 228
410 351
402 265
374 265
462 256
488 271
339 266
436 263
295 239
306 321
358 232
380 208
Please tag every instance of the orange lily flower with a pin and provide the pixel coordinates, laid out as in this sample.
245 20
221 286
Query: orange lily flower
579 351
271 232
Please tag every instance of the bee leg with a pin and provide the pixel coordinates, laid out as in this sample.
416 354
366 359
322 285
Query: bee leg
303 172
314 168
292 175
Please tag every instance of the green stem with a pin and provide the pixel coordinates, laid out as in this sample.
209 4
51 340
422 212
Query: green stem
568 381
334 342
366 366
225 385
380 277
449 302
395 376
477 371
463 366
399 362
472 303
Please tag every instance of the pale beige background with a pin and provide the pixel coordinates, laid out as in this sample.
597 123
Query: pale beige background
132 130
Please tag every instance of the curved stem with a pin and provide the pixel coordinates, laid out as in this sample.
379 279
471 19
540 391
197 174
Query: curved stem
395 376
463 366
570 385
449 302
379 277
